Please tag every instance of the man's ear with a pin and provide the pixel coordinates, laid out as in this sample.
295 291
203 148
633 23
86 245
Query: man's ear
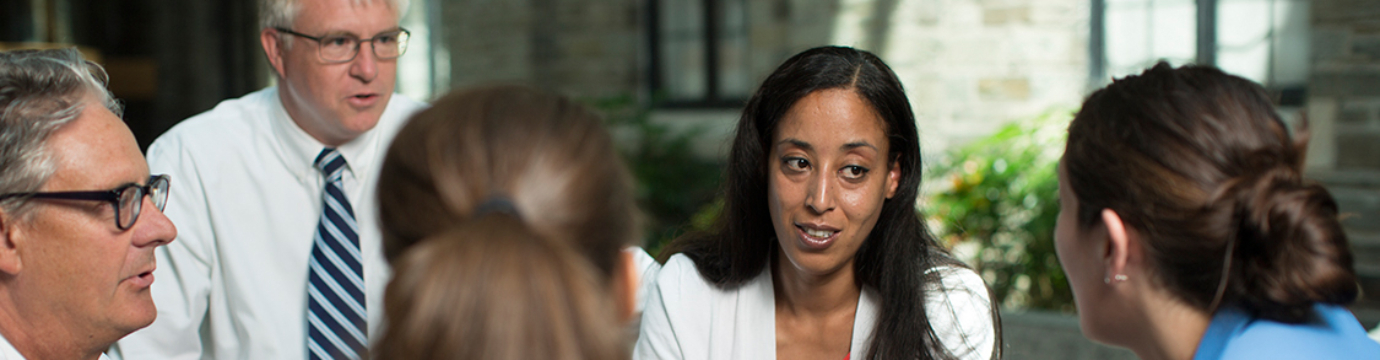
625 282
893 177
10 263
273 48
1118 250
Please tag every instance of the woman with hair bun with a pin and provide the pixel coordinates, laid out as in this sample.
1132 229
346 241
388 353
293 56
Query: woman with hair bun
507 216
1187 231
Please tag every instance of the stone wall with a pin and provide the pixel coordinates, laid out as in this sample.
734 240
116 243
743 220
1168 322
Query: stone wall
1344 107
584 48
1051 336
1344 86
968 65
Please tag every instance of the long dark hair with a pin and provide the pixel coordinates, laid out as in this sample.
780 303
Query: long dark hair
897 252
1200 163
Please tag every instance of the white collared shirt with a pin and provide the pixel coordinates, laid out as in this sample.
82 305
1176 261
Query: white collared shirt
8 352
686 317
246 200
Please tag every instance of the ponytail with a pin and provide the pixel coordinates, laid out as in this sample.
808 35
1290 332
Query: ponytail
492 288
503 210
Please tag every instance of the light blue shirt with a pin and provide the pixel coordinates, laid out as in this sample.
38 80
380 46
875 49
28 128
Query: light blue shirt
1334 334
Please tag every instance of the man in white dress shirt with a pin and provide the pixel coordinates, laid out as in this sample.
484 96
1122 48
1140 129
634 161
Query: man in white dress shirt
279 256
77 231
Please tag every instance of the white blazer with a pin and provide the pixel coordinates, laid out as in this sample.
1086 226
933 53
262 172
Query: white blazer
686 317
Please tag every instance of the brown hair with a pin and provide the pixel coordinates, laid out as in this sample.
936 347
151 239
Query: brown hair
533 277
1199 162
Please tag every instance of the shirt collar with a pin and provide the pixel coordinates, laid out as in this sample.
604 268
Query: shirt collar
7 350
299 149
1226 324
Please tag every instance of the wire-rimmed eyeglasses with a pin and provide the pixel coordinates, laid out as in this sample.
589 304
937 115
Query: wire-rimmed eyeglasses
128 199
339 48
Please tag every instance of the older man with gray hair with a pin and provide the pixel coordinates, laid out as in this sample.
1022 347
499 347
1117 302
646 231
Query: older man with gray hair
80 216
280 256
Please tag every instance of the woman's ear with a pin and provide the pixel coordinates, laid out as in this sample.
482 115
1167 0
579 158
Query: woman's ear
893 178
625 281
1118 246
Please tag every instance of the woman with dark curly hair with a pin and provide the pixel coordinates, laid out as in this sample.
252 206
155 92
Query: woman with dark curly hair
1187 231
819 252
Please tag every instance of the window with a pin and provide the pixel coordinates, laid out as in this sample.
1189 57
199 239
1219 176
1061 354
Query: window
699 53
1140 33
1262 40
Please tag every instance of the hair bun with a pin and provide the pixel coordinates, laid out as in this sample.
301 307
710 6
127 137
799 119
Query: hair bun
1290 249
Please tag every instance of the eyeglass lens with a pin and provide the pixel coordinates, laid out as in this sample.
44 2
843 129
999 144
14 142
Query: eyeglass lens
344 48
132 201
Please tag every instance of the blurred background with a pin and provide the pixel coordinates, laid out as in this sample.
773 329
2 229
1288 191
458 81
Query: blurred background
993 84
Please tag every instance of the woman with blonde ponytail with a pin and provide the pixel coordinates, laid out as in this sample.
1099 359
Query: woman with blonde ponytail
505 213
1187 231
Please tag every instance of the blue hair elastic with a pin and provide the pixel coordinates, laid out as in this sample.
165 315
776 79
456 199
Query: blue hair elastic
496 204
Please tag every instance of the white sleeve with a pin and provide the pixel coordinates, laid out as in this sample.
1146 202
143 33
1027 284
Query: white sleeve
647 269
657 338
960 311
182 280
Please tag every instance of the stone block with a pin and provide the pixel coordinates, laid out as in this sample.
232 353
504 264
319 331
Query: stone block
1366 47
1365 249
1358 151
1344 11
1060 12
926 13
1359 208
1368 26
1348 179
1041 336
1328 43
1343 84
1322 115
1006 16
999 89
1355 114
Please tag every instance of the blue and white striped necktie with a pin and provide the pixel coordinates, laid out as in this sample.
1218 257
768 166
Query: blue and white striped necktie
336 325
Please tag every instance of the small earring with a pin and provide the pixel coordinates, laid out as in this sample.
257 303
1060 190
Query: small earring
1117 277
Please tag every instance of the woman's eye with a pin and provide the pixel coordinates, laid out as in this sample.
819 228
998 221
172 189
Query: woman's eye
854 171
797 164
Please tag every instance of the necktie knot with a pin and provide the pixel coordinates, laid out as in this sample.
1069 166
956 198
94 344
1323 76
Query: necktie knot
330 163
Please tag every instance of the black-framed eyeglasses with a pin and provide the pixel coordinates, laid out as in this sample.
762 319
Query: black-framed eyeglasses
343 48
128 199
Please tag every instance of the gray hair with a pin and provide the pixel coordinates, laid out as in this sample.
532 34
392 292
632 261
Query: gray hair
40 91
283 13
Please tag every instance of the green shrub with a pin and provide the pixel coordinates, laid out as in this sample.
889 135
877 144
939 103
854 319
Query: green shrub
673 184
995 203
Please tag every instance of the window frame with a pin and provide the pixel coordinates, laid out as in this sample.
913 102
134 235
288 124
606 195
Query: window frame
713 97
